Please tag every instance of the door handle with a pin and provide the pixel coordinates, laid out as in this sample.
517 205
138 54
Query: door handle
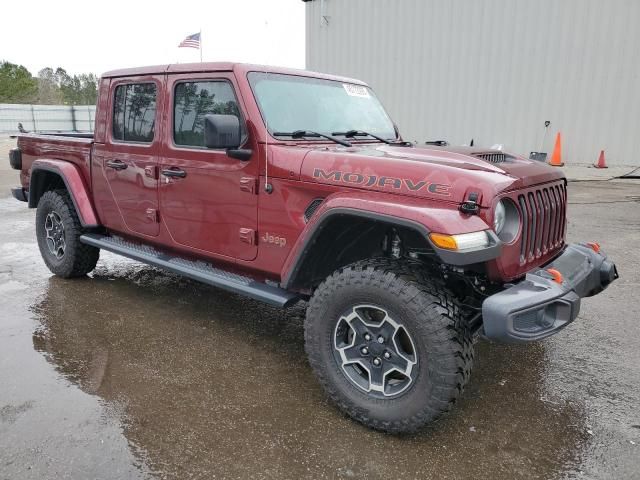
174 172
117 164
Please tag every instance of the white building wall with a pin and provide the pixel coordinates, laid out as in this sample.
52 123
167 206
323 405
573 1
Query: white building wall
493 70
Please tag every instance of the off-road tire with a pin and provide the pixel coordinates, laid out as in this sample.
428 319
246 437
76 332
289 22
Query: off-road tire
429 312
78 259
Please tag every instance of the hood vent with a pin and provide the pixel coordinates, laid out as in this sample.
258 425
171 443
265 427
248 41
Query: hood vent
493 157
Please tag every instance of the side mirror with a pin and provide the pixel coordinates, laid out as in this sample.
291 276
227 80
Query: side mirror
221 131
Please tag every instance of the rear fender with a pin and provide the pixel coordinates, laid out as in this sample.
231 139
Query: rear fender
421 215
40 181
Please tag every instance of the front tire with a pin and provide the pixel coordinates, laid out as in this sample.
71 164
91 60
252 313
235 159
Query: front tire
390 346
58 231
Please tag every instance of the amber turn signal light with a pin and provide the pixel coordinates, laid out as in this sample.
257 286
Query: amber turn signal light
461 241
444 241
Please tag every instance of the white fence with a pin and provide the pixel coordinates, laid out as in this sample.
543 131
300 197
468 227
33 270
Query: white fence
47 117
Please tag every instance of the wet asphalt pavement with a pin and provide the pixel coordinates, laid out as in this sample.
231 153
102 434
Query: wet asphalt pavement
136 373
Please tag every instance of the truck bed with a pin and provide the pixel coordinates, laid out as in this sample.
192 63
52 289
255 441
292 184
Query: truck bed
72 134
73 147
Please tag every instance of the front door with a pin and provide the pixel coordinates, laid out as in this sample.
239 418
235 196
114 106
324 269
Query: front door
208 200
129 159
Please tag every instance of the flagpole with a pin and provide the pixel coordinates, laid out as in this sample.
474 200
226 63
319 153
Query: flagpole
201 45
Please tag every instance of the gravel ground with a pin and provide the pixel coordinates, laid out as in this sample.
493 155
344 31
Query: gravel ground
135 373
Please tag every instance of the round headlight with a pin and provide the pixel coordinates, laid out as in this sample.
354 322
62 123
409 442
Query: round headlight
506 220
499 217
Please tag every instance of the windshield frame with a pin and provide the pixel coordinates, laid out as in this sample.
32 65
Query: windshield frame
286 139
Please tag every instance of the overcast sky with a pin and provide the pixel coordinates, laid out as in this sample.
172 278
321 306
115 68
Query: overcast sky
99 35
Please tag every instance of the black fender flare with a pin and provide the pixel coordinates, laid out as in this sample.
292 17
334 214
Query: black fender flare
468 257
75 185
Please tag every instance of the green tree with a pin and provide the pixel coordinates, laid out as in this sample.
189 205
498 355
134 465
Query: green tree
16 84
68 87
48 89
58 87
77 89
88 88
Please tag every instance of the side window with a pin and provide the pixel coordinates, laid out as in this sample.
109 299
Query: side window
194 100
134 112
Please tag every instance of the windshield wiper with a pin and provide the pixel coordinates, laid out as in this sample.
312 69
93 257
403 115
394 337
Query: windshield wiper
360 133
309 133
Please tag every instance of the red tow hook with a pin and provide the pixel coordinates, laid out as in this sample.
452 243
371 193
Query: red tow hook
556 274
595 246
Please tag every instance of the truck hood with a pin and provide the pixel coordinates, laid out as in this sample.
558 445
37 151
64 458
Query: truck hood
438 173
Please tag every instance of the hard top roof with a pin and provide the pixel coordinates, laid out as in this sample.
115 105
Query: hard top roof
220 67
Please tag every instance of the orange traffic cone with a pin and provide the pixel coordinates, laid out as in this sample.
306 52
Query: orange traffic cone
556 156
601 162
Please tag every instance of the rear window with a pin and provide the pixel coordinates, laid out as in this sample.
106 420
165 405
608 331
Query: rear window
194 100
134 112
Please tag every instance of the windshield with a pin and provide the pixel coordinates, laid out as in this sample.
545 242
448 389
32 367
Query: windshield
290 103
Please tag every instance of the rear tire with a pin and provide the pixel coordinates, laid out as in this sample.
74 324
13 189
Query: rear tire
58 231
406 316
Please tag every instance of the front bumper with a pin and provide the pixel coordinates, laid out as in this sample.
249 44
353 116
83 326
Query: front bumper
541 305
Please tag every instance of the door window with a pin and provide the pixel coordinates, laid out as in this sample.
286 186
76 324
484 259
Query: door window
194 100
134 112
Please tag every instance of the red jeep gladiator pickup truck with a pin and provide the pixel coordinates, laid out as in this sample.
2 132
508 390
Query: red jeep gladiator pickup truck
286 186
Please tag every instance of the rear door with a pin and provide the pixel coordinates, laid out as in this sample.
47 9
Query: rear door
208 200
129 159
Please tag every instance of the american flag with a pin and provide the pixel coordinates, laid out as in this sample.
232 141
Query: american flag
192 41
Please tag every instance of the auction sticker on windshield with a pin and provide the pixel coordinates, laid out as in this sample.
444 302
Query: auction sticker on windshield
356 90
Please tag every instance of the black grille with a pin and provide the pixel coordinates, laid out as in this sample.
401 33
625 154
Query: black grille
493 157
311 209
543 214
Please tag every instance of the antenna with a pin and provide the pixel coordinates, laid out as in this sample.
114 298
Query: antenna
267 186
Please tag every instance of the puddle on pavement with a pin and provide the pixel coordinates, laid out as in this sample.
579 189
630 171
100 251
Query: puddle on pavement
206 383
136 371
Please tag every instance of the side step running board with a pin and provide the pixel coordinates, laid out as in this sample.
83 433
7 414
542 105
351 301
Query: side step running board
196 270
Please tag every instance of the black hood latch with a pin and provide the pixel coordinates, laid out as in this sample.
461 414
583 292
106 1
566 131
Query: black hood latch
470 205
